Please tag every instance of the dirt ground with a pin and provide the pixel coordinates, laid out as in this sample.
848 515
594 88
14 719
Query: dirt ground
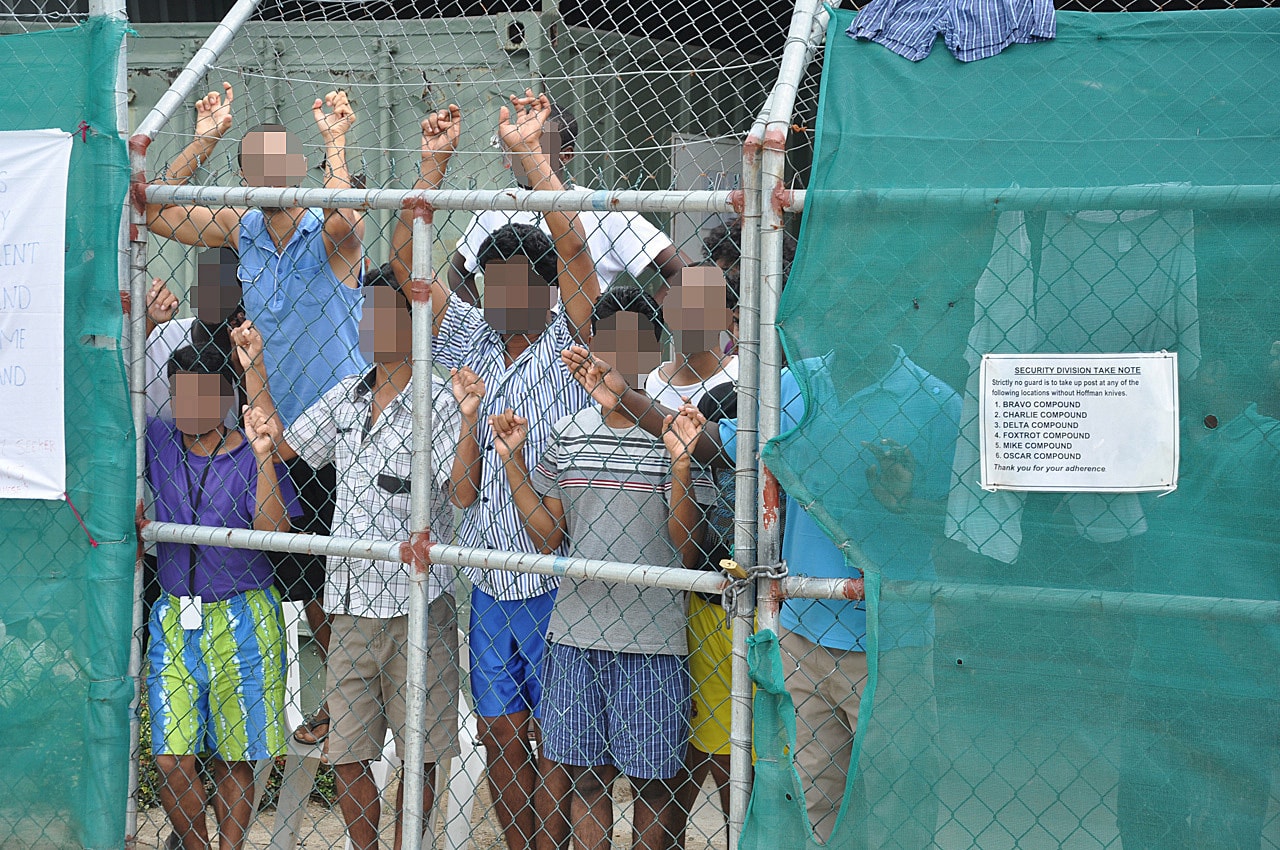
321 826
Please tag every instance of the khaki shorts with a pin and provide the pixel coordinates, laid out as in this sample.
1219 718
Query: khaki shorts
367 670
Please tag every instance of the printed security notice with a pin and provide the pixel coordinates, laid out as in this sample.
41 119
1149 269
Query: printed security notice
1082 423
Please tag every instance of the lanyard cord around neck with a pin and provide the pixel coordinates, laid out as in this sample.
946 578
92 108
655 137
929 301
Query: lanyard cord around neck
194 491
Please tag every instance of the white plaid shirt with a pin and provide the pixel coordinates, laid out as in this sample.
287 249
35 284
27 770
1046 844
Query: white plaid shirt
372 499
538 387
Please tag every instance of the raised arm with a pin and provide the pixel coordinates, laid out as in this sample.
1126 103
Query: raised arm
464 478
343 228
520 131
685 523
543 515
161 305
196 225
269 511
440 132
610 390
669 263
248 342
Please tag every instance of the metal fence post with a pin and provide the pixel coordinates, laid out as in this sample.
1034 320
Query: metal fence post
415 819
801 42
135 340
744 538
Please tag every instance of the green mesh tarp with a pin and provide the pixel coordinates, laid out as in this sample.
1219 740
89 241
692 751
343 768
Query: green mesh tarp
1046 669
65 605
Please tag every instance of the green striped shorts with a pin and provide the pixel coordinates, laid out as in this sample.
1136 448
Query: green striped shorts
219 688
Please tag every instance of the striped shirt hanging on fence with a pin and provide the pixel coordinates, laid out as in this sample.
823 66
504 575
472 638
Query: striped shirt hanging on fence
972 29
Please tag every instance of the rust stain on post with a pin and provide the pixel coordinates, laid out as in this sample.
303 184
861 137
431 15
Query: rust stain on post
417 208
782 198
770 498
417 552
138 143
854 589
738 200
420 291
138 193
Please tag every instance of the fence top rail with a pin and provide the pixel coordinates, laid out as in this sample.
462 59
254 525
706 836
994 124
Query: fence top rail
601 200
1167 196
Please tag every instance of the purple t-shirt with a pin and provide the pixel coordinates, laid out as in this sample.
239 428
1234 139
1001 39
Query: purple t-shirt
219 491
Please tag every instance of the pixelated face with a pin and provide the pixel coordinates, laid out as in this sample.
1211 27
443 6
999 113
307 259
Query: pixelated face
626 342
551 146
696 311
272 158
216 293
515 299
386 328
200 402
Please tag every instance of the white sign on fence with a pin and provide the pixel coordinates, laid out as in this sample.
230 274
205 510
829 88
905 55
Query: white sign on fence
1093 423
33 210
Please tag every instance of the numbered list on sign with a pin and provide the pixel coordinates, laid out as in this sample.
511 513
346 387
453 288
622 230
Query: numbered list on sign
1079 422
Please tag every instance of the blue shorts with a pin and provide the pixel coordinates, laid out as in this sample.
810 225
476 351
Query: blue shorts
507 641
616 708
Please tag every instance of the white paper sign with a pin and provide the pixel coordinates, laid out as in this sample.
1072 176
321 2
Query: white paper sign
33 208
1086 423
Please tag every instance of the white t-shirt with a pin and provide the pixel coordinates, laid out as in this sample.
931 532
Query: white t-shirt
672 395
161 344
618 241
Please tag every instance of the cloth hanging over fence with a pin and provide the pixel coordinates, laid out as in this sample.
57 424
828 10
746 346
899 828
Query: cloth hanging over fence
971 29
1099 670
66 592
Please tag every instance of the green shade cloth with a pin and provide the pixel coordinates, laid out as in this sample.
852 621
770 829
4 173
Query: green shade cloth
65 605
962 209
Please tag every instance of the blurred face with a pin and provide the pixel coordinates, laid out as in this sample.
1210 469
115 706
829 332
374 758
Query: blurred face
551 146
696 311
272 158
386 328
200 402
216 293
515 299
626 342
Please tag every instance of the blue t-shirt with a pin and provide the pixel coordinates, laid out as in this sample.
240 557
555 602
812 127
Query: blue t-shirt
907 405
309 320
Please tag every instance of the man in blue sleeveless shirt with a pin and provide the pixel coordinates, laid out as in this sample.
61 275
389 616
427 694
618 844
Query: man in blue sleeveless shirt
300 273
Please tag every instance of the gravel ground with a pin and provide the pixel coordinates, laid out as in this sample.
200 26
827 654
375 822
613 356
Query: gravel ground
322 827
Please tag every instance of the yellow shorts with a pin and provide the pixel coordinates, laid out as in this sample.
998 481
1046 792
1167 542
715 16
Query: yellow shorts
710 668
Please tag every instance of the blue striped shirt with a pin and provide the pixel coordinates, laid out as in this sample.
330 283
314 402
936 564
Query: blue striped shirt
972 29
536 386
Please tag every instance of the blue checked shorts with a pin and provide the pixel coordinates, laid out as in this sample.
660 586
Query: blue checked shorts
616 708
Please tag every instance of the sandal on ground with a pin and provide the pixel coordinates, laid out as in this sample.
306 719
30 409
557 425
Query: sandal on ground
314 729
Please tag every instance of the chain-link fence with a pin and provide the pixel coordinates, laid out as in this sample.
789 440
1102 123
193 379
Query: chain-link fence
646 106
508 569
